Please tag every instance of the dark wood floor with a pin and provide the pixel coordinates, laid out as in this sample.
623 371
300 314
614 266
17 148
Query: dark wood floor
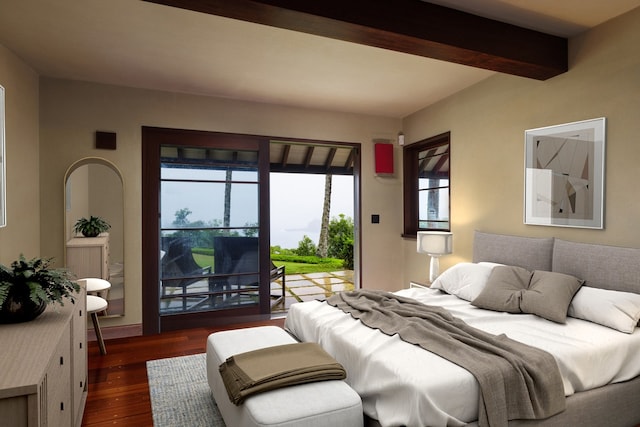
118 384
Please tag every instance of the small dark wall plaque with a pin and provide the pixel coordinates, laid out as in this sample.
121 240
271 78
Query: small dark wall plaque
105 140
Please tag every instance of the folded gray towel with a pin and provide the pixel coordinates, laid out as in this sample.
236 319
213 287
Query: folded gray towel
279 366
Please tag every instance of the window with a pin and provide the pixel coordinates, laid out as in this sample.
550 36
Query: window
426 185
209 209
199 189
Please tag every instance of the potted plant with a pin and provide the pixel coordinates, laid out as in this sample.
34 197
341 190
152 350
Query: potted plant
29 285
91 227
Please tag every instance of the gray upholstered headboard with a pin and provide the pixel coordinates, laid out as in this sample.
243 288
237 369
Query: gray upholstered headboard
601 266
607 267
527 252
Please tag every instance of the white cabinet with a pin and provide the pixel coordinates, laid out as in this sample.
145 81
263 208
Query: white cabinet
44 368
79 370
89 256
58 374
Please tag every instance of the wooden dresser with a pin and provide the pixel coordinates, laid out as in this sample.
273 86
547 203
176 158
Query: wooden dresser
43 368
89 256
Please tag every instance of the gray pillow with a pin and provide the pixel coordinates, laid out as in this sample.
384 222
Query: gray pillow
517 290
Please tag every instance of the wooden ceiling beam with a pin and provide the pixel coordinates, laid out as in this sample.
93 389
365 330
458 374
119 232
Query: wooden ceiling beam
349 163
285 155
330 157
410 26
307 158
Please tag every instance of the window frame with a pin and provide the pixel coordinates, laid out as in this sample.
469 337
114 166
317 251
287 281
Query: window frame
410 185
153 138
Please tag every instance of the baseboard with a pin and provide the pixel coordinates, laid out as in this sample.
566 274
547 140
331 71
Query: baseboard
112 332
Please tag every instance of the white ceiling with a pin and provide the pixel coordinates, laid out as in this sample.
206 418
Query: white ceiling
144 45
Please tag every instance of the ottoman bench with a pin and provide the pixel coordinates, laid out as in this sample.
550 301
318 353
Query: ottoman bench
317 404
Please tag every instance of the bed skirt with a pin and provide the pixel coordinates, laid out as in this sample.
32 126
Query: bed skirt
614 405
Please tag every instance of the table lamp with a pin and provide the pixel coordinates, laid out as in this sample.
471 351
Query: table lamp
435 244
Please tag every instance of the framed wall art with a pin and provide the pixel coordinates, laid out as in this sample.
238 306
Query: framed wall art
3 166
564 175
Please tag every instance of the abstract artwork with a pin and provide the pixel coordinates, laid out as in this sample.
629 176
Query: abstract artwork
564 175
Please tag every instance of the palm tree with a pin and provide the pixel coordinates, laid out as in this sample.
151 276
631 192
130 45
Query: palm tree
323 241
226 221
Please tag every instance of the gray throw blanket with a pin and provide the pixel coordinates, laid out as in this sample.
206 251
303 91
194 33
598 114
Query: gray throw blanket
270 368
516 381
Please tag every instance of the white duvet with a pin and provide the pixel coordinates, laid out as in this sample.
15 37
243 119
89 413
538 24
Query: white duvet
402 384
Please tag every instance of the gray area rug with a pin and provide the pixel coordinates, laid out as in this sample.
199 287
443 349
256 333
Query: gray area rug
180 394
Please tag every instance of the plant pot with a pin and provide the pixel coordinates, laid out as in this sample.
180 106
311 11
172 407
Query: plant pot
18 308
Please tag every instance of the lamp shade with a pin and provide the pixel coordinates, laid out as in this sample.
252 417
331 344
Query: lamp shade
435 242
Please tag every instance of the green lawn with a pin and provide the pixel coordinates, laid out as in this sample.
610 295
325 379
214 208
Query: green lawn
304 268
203 260
295 265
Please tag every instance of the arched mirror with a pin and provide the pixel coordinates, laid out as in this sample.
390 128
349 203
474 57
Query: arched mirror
94 187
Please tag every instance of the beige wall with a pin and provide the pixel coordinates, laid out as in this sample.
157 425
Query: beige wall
71 112
487 124
22 233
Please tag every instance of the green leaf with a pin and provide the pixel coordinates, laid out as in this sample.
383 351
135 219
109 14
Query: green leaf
4 292
36 293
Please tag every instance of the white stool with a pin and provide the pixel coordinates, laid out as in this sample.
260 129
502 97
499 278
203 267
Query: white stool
95 286
95 305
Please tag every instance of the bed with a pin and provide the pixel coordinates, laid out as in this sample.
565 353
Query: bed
598 358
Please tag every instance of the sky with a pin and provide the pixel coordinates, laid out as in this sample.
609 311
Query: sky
296 204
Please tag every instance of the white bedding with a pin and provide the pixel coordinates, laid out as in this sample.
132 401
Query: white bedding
402 384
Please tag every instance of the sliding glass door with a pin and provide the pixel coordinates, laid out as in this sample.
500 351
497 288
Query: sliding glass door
209 230
206 219
210 224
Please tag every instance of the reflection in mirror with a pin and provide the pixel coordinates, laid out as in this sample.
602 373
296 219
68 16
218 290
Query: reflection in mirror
93 187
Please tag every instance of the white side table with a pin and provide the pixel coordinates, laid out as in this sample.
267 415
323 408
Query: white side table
413 284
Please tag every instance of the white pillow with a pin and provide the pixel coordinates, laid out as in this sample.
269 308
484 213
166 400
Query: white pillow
491 264
465 280
614 309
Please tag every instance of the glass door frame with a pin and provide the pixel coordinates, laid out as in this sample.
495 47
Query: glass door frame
152 140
